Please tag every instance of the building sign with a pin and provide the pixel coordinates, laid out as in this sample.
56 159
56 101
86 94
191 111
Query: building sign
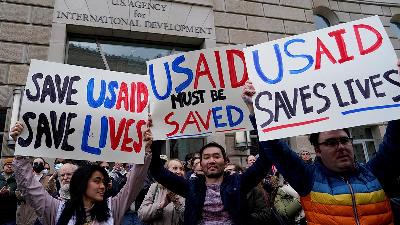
82 113
149 16
198 93
341 76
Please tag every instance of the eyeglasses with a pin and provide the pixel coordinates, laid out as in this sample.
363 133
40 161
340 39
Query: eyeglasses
305 153
334 142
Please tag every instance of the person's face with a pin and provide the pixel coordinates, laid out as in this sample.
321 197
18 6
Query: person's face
38 161
65 173
176 167
8 168
305 156
250 160
197 167
212 162
230 169
47 166
95 187
105 165
336 151
118 166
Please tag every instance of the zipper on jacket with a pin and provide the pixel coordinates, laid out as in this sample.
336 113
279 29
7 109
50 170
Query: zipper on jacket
353 199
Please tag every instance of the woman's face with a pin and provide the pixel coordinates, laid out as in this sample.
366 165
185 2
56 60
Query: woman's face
176 167
95 189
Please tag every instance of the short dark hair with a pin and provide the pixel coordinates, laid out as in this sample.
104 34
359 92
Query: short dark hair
313 138
213 144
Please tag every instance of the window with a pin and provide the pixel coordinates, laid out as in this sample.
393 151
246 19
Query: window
130 58
395 26
3 115
116 56
364 145
321 22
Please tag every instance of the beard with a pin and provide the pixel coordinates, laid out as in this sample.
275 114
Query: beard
214 175
64 192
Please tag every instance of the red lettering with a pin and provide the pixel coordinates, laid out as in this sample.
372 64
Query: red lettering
219 67
138 145
127 140
232 69
373 47
122 96
205 72
132 98
173 123
115 138
205 125
338 35
142 97
188 121
321 49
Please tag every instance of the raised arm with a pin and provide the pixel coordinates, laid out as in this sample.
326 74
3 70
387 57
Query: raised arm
293 169
385 165
173 182
136 177
36 196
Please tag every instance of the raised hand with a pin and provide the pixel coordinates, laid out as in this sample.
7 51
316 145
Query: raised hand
16 130
247 95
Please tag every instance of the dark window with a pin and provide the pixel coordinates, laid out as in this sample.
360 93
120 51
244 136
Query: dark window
321 22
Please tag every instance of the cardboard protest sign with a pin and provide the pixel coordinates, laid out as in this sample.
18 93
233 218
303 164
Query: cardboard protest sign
341 76
82 113
198 93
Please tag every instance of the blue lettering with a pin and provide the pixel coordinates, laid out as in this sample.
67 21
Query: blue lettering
104 132
229 109
176 68
89 96
261 73
85 137
308 57
110 102
153 83
217 117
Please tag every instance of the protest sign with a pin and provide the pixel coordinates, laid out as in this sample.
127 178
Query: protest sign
198 93
83 113
341 76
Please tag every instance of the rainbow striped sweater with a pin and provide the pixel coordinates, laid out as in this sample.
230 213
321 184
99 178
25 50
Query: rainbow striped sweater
328 198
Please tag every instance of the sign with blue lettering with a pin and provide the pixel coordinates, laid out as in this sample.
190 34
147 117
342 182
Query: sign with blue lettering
83 113
337 77
198 93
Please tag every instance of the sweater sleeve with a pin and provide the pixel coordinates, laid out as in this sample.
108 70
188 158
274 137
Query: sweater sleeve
36 196
148 210
294 170
385 165
123 200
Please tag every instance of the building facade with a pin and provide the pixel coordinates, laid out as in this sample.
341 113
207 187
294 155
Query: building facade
121 35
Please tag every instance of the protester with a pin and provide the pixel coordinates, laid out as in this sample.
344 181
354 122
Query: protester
215 198
336 189
65 174
196 168
250 160
118 178
25 212
8 201
87 186
306 157
161 206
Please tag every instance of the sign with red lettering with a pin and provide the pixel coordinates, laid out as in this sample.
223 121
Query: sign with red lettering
83 113
198 93
337 77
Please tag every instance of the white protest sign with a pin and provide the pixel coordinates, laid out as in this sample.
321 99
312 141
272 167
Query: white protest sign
198 93
83 113
337 77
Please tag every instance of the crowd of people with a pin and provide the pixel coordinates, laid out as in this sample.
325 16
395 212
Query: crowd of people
277 186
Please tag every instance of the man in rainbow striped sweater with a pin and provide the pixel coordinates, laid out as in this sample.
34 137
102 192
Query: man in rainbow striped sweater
335 189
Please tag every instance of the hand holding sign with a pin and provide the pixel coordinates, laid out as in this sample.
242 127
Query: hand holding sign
247 95
16 130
